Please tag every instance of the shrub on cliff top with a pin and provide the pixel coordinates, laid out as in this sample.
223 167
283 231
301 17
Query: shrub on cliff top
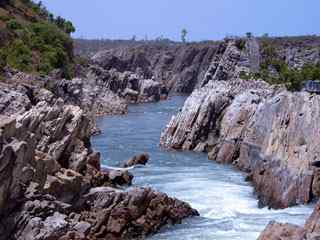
19 56
241 44
36 44
39 47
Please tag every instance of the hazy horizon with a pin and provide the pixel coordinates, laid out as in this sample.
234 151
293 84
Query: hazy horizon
204 20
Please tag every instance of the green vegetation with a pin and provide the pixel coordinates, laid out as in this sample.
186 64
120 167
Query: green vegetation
241 44
13 24
39 44
276 71
249 34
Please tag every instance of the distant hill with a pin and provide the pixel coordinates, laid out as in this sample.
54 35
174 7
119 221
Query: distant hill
89 47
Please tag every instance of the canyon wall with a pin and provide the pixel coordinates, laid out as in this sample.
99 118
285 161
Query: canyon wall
52 185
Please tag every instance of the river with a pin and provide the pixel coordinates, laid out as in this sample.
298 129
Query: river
227 204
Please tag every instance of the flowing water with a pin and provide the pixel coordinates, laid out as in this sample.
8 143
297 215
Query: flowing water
227 204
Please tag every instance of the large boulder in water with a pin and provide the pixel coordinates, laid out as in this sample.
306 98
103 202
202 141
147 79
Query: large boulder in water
140 159
310 231
120 177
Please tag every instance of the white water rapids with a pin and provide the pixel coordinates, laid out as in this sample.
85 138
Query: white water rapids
227 204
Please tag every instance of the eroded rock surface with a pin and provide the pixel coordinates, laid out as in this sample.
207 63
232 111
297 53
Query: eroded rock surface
178 68
280 147
52 186
271 135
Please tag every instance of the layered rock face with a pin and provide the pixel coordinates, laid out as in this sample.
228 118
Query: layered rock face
51 184
103 213
178 68
284 138
43 139
184 67
218 110
296 51
271 134
106 92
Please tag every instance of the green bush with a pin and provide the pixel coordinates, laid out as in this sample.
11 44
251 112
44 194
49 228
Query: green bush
249 34
40 47
241 44
13 24
19 56
5 18
68 27
293 79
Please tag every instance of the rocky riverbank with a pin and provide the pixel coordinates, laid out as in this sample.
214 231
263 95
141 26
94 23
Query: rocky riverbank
264 130
270 134
52 186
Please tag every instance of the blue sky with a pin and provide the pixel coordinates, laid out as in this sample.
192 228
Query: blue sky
204 19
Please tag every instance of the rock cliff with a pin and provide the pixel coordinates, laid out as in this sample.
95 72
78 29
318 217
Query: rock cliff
52 186
270 134
184 67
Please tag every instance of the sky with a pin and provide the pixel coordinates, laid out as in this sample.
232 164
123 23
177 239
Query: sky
203 19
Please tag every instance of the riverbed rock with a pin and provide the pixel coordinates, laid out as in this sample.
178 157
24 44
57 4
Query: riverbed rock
282 231
310 231
133 214
119 177
140 159
101 213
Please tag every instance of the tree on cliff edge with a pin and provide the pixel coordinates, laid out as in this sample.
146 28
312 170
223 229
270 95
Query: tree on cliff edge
184 33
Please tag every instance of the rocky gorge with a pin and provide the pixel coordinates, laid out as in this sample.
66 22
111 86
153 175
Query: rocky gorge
53 186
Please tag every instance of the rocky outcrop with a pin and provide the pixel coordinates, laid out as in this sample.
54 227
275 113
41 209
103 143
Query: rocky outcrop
51 185
184 67
282 231
272 136
198 125
295 51
140 159
103 213
39 142
107 92
280 149
176 67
